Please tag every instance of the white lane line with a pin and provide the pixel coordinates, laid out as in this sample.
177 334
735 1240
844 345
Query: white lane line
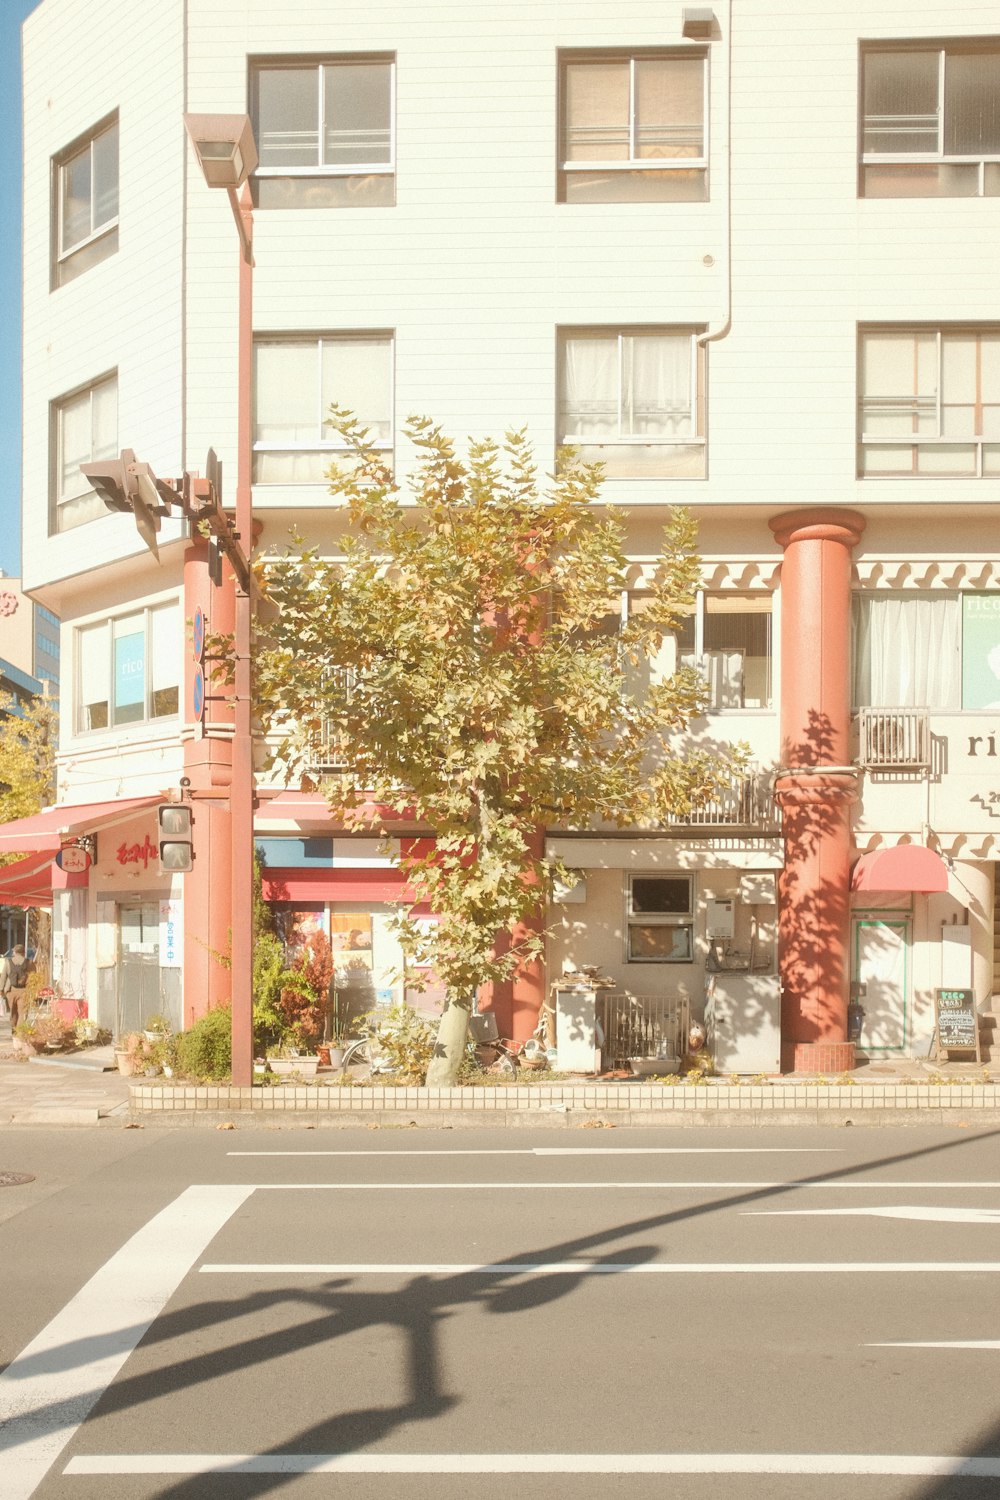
940 1344
49 1388
900 1211
920 1465
591 1185
374 1154
594 1268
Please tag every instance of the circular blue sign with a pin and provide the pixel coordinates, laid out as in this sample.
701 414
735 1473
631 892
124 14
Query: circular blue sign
198 693
198 633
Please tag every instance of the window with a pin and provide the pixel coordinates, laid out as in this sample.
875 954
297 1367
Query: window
729 636
930 121
325 132
659 919
84 428
296 381
930 403
634 401
632 128
85 212
129 668
936 651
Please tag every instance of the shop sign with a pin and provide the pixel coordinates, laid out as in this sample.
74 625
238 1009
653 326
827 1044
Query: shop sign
957 1021
171 923
73 859
135 854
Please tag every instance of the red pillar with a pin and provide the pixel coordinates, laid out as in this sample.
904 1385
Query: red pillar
813 887
517 1003
208 766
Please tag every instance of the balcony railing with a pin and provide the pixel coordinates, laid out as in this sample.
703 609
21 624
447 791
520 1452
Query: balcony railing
747 803
894 738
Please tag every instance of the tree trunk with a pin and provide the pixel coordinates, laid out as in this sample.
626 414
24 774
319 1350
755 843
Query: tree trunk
449 1049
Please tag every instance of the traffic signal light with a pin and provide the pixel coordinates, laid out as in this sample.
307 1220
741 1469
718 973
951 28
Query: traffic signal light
176 837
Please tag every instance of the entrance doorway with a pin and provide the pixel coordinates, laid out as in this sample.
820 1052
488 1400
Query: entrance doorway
139 989
881 966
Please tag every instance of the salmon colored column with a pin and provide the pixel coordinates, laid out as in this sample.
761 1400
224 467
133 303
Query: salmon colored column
816 787
208 765
517 1004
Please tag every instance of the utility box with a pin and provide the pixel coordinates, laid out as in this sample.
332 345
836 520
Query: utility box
720 919
743 1021
576 1029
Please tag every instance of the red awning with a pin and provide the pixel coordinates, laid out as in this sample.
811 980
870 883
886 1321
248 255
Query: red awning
45 829
27 882
904 867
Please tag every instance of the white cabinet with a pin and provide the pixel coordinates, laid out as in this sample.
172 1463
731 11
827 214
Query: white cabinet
743 1021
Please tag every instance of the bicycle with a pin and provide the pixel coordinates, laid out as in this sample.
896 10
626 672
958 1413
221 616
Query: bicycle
363 1060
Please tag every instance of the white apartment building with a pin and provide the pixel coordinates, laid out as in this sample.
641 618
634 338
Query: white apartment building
745 254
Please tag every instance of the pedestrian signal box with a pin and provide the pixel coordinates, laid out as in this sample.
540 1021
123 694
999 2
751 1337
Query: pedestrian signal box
176 837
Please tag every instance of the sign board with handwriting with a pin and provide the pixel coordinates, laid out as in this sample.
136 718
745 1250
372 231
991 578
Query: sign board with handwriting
957 1022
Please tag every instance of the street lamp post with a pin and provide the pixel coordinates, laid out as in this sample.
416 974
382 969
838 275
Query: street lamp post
226 152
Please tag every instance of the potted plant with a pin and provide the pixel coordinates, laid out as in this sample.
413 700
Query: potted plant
156 1027
130 1054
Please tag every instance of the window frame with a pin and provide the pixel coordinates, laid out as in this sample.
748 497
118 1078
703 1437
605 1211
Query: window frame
318 63
957 672
633 164
108 622
698 406
331 446
57 410
68 262
680 922
939 157
917 441
698 654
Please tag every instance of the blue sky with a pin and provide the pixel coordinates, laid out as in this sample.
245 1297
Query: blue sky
12 13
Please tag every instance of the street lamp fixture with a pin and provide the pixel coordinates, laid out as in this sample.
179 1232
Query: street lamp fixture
227 154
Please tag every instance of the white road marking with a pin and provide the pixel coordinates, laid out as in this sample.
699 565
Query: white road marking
928 1215
940 1344
590 1186
592 1268
919 1465
50 1387
374 1154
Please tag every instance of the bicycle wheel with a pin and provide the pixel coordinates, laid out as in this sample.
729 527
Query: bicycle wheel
356 1066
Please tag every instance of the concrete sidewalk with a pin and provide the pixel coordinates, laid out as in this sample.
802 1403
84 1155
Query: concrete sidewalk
85 1089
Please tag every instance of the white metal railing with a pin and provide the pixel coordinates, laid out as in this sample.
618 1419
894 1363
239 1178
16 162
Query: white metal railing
642 1026
894 738
748 802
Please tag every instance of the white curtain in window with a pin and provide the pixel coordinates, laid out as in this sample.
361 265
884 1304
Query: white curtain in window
165 647
656 387
286 393
907 652
357 374
590 389
94 676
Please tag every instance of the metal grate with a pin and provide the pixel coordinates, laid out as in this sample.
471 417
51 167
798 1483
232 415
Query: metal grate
642 1026
894 737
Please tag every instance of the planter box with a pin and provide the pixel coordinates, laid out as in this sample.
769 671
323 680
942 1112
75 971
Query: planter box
305 1067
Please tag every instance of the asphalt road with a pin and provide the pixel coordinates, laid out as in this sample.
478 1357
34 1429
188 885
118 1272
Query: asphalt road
801 1313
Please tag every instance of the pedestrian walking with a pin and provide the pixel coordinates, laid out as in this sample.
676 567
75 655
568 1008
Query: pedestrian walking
16 980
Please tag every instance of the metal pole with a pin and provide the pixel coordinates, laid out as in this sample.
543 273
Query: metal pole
242 792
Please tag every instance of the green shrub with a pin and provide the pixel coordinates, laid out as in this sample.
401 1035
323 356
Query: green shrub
205 1051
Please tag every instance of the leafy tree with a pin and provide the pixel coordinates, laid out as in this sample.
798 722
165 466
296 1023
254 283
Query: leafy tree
28 737
459 647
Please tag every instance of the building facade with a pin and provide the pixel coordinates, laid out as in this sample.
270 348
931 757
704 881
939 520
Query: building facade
743 256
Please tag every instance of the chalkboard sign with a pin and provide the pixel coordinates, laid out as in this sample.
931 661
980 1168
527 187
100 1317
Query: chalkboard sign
957 1022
